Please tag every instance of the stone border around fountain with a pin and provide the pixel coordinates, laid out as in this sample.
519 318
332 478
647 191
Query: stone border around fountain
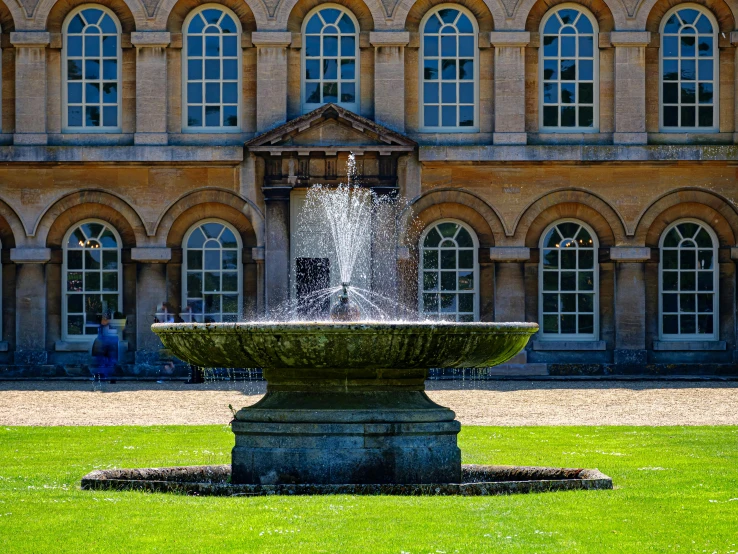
477 480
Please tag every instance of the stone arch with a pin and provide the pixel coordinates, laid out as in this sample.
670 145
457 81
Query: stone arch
577 204
12 232
71 208
10 16
411 12
291 13
170 15
50 14
599 8
210 203
650 12
706 206
453 204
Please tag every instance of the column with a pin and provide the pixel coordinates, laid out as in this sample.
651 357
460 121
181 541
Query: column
509 86
389 78
30 305
277 247
151 292
630 86
509 295
151 87
257 254
271 78
734 42
30 86
630 304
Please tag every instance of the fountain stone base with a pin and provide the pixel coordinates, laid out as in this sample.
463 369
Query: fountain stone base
359 435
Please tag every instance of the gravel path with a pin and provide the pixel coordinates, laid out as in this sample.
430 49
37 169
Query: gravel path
479 403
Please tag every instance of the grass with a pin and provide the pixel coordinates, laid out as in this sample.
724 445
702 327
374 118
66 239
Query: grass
676 491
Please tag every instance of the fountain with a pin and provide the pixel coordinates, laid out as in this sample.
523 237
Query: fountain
345 403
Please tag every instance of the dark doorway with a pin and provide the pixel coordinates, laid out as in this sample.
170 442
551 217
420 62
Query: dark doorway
313 274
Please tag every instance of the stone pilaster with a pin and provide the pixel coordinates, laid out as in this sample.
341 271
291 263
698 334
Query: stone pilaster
30 86
389 78
30 302
509 295
151 82
734 42
271 78
277 247
630 304
151 292
257 255
630 86
509 86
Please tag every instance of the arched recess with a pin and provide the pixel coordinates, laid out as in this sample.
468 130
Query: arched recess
482 11
291 13
172 13
8 14
599 9
651 12
688 203
64 212
12 232
201 204
576 204
51 13
454 204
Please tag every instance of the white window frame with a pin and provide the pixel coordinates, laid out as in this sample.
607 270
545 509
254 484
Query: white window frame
186 128
595 70
596 289
65 270
715 286
423 128
475 270
66 128
355 106
239 263
715 75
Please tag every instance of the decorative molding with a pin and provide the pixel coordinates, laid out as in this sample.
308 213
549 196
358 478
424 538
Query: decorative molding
389 38
151 254
630 38
30 255
630 254
30 39
509 254
151 39
258 254
271 39
509 39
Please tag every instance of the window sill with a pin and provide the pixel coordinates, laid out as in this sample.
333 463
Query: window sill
569 345
73 345
689 345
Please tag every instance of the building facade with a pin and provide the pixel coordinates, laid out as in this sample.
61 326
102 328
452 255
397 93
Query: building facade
570 163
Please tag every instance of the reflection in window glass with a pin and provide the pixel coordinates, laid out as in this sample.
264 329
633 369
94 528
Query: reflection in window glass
569 64
91 278
92 73
689 71
212 54
688 282
448 72
568 282
212 273
448 273
330 59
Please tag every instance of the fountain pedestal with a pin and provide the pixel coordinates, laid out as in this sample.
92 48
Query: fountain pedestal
333 429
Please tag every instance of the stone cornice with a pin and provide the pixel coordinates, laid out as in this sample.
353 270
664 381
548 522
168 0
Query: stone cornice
271 39
630 38
509 39
181 155
151 39
389 38
30 39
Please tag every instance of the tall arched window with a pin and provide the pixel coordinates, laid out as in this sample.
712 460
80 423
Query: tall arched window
688 282
569 60
449 281
212 272
330 59
211 70
91 278
568 289
449 71
91 75
689 70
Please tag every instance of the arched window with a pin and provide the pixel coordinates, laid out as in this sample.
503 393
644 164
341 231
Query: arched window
91 278
330 59
568 284
91 75
569 60
449 71
212 272
211 70
688 282
689 70
449 282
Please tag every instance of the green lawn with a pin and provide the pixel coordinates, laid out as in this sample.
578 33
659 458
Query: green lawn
676 490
